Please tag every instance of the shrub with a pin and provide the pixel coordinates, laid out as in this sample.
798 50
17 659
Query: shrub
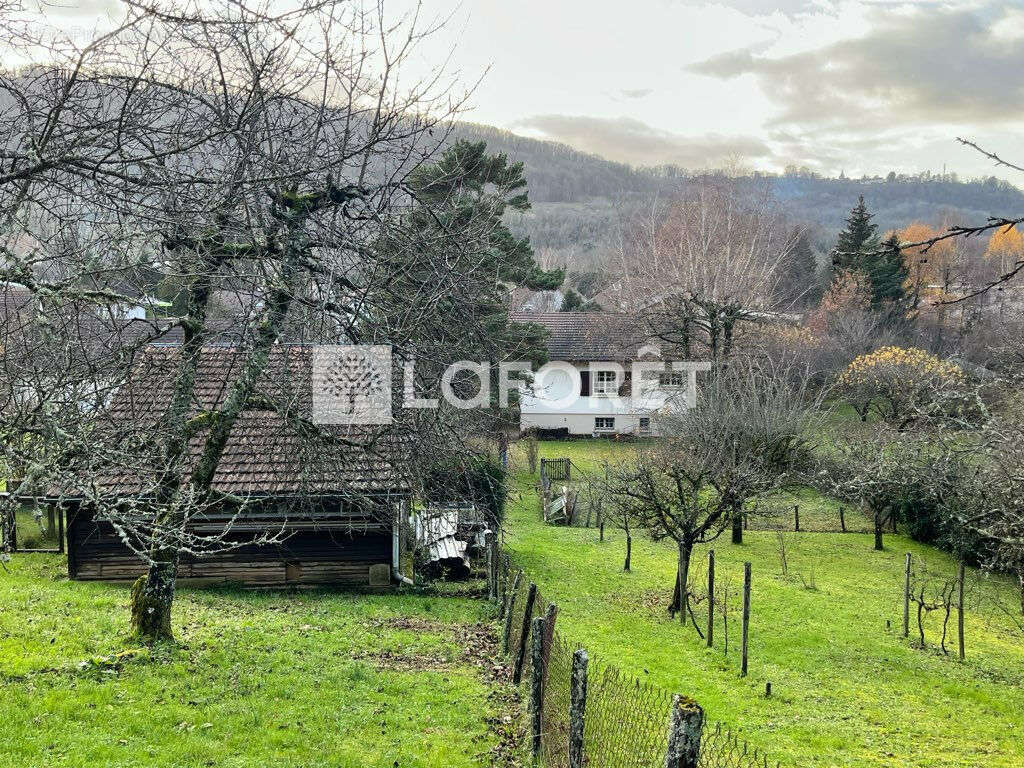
904 384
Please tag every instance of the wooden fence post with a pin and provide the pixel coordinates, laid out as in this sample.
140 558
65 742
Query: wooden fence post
577 707
960 609
510 609
711 597
842 520
60 530
684 731
746 616
537 685
517 670
796 516
906 597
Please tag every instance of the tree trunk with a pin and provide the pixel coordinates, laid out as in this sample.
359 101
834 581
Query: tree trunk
629 551
737 523
879 522
151 599
685 549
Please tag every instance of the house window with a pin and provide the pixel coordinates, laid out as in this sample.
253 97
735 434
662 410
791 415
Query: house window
606 383
604 424
584 383
645 425
671 379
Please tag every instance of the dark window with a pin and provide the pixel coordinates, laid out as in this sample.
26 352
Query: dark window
645 424
584 383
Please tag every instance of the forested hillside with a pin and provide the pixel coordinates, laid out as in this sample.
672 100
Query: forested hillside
578 198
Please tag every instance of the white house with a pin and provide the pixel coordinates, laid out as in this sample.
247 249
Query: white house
604 377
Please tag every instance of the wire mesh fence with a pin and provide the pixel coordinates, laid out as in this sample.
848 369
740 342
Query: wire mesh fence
624 722
572 496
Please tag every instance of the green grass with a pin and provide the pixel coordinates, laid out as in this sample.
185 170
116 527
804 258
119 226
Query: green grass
847 690
283 678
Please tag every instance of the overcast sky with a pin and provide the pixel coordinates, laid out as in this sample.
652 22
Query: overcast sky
855 85
861 86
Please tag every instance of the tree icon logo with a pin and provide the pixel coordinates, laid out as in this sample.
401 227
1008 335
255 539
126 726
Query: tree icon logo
352 384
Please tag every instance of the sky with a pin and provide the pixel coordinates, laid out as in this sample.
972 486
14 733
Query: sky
854 86
861 86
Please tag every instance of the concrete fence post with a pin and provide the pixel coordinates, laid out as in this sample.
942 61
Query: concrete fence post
577 707
684 731
537 687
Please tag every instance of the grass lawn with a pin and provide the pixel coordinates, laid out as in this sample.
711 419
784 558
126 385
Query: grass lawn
283 678
847 690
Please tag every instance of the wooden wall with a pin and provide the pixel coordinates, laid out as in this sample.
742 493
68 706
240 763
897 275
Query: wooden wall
315 552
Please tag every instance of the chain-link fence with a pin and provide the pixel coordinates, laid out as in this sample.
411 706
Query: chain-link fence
583 711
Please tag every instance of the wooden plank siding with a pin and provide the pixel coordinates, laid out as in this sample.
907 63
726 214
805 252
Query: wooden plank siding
324 551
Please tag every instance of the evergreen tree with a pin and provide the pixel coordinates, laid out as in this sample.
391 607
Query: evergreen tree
888 274
798 284
856 241
572 302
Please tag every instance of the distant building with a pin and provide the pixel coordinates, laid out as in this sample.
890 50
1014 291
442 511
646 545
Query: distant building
587 388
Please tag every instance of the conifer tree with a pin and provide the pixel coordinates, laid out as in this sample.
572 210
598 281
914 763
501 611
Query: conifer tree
888 274
799 282
856 241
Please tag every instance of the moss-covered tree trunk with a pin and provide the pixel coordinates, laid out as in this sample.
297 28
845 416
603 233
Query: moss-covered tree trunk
879 522
151 599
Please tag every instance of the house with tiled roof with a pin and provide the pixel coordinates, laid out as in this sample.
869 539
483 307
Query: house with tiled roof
587 387
331 494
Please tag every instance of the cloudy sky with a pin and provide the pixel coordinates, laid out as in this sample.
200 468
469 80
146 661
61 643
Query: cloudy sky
861 86
855 85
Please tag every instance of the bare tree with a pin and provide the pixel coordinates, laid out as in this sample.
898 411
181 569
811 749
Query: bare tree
230 147
746 436
697 267
750 428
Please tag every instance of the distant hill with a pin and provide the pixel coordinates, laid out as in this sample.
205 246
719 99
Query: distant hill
578 198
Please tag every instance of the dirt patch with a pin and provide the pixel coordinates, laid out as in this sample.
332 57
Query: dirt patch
405 662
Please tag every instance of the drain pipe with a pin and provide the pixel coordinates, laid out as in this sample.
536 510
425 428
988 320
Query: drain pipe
396 549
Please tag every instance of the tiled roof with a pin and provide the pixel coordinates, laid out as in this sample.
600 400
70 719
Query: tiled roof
588 336
273 448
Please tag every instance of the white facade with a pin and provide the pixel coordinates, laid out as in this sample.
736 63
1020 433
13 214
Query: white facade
598 398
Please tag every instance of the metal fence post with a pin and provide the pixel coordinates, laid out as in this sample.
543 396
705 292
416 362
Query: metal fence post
492 565
711 597
537 685
517 670
510 609
577 707
906 597
684 731
746 615
960 609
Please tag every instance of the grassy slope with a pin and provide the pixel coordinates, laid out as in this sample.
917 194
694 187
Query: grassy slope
847 691
260 678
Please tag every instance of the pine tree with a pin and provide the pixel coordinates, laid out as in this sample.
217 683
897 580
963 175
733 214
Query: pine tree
856 241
